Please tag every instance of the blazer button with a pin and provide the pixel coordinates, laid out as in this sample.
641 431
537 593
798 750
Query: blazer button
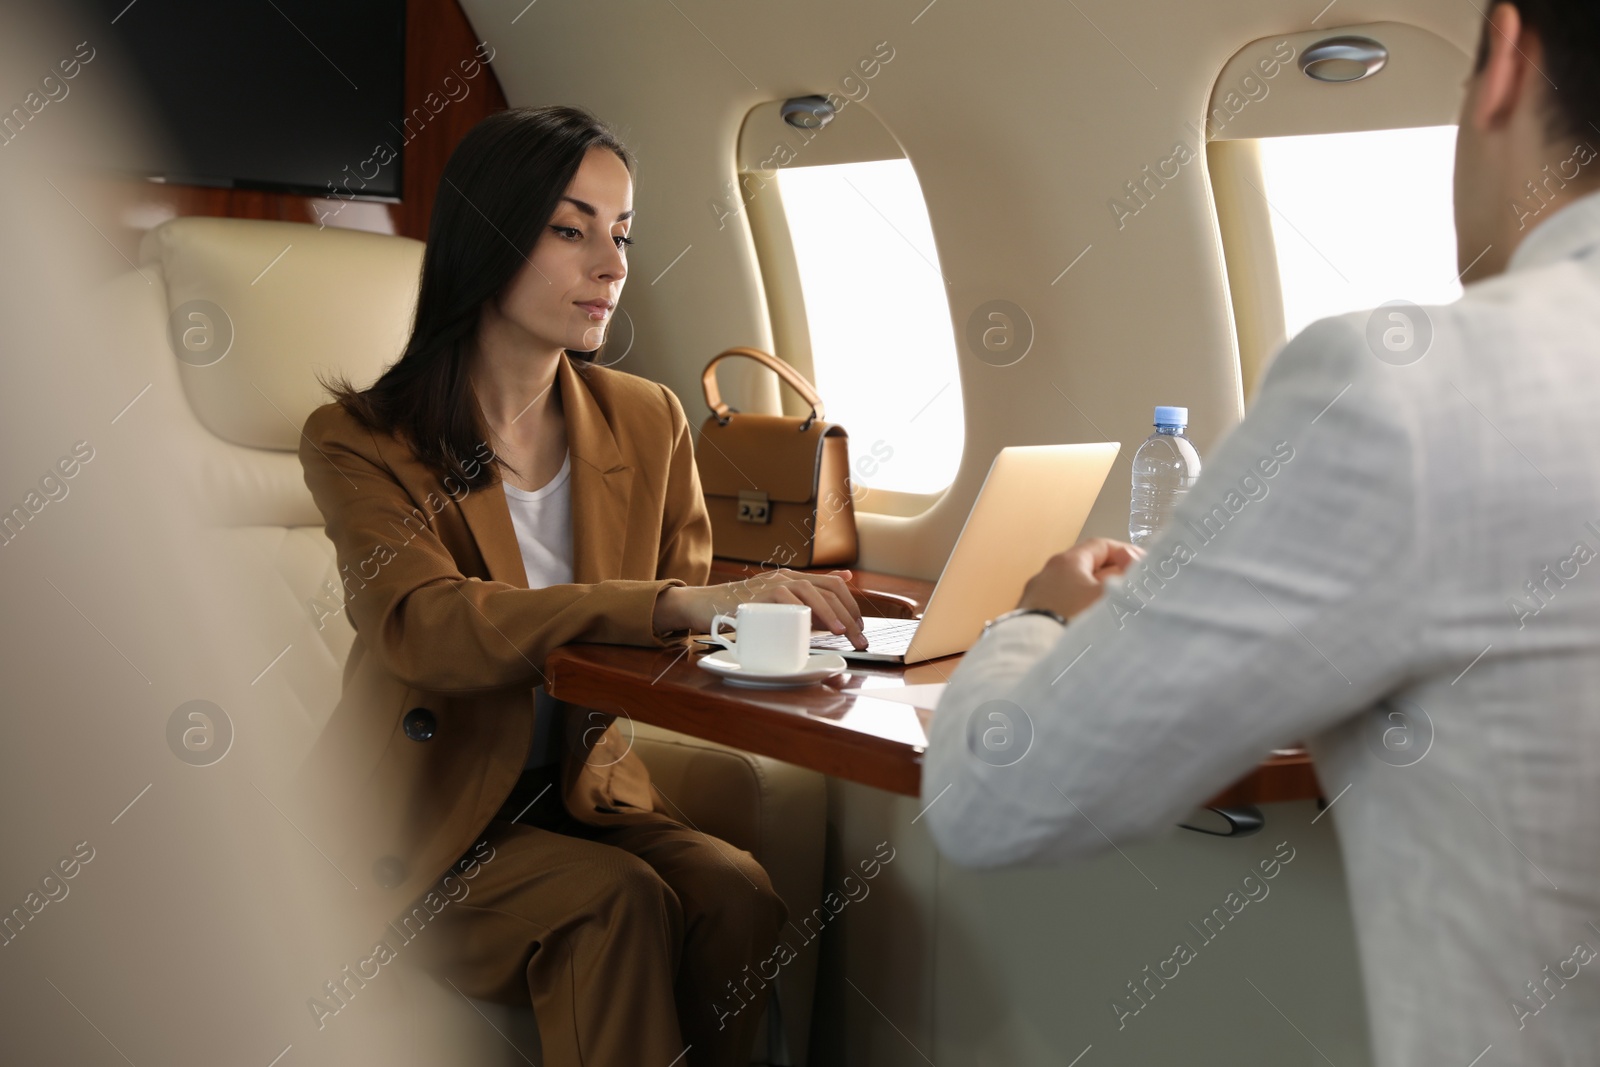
419 724
388 871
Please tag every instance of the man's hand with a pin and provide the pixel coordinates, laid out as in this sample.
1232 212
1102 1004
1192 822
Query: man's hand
833 606
1074 579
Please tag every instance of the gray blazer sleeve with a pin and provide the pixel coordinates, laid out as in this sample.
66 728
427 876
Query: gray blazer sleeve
1282 598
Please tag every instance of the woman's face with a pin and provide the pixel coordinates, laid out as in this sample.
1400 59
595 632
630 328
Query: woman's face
565 294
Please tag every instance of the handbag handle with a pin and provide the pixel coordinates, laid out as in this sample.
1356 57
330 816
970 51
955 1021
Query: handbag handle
794 379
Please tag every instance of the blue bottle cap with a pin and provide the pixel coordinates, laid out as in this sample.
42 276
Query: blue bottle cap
1170 416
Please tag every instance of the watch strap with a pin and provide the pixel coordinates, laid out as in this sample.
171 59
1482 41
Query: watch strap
1046 612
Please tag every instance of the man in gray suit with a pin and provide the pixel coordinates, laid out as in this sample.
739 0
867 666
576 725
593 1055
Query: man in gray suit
1396 556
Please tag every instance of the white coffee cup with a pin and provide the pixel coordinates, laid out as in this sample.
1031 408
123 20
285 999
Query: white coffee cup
772 638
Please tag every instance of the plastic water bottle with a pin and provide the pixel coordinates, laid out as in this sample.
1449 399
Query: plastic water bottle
1164 468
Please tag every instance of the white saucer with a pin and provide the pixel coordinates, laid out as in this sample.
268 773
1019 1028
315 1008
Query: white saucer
820 665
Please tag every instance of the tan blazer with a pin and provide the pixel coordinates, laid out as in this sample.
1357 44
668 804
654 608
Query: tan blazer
436 716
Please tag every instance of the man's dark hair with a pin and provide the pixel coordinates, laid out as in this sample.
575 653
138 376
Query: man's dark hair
1569 30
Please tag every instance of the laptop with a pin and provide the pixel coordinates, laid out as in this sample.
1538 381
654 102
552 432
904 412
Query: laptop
1033 504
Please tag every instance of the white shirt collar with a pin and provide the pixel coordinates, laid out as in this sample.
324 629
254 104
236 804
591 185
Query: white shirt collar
1566 234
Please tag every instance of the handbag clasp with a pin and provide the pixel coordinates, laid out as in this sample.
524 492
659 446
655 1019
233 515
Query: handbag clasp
753 506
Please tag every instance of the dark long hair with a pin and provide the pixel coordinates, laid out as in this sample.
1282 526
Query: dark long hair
499 191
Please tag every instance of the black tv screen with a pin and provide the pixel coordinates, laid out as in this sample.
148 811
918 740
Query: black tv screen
280 95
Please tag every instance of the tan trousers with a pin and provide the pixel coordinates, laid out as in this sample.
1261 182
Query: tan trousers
625 939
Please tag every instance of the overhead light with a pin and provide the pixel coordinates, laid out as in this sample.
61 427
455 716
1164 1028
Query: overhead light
807 112
1343 59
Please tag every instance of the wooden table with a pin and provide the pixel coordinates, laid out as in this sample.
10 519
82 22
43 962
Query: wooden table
837 727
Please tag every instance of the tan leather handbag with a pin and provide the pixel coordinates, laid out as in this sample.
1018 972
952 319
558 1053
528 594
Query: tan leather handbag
777 486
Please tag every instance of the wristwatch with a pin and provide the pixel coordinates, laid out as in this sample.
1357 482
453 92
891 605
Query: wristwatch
1046 612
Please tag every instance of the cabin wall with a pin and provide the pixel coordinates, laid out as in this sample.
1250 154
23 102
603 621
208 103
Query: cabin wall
1023 120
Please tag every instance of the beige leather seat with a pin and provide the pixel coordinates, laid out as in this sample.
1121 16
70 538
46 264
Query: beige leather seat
232 319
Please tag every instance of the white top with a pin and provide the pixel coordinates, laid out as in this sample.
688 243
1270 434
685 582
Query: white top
1400 563
543 521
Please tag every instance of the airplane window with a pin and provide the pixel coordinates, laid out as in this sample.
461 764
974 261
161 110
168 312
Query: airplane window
882 347
1359 219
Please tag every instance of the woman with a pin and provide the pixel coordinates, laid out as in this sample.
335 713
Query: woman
493 496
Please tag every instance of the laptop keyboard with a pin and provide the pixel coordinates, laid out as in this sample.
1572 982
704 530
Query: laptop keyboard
890 639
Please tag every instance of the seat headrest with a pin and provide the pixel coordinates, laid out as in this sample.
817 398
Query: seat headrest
256 308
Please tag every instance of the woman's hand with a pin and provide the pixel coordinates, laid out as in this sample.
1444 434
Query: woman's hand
1074 579
833 607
